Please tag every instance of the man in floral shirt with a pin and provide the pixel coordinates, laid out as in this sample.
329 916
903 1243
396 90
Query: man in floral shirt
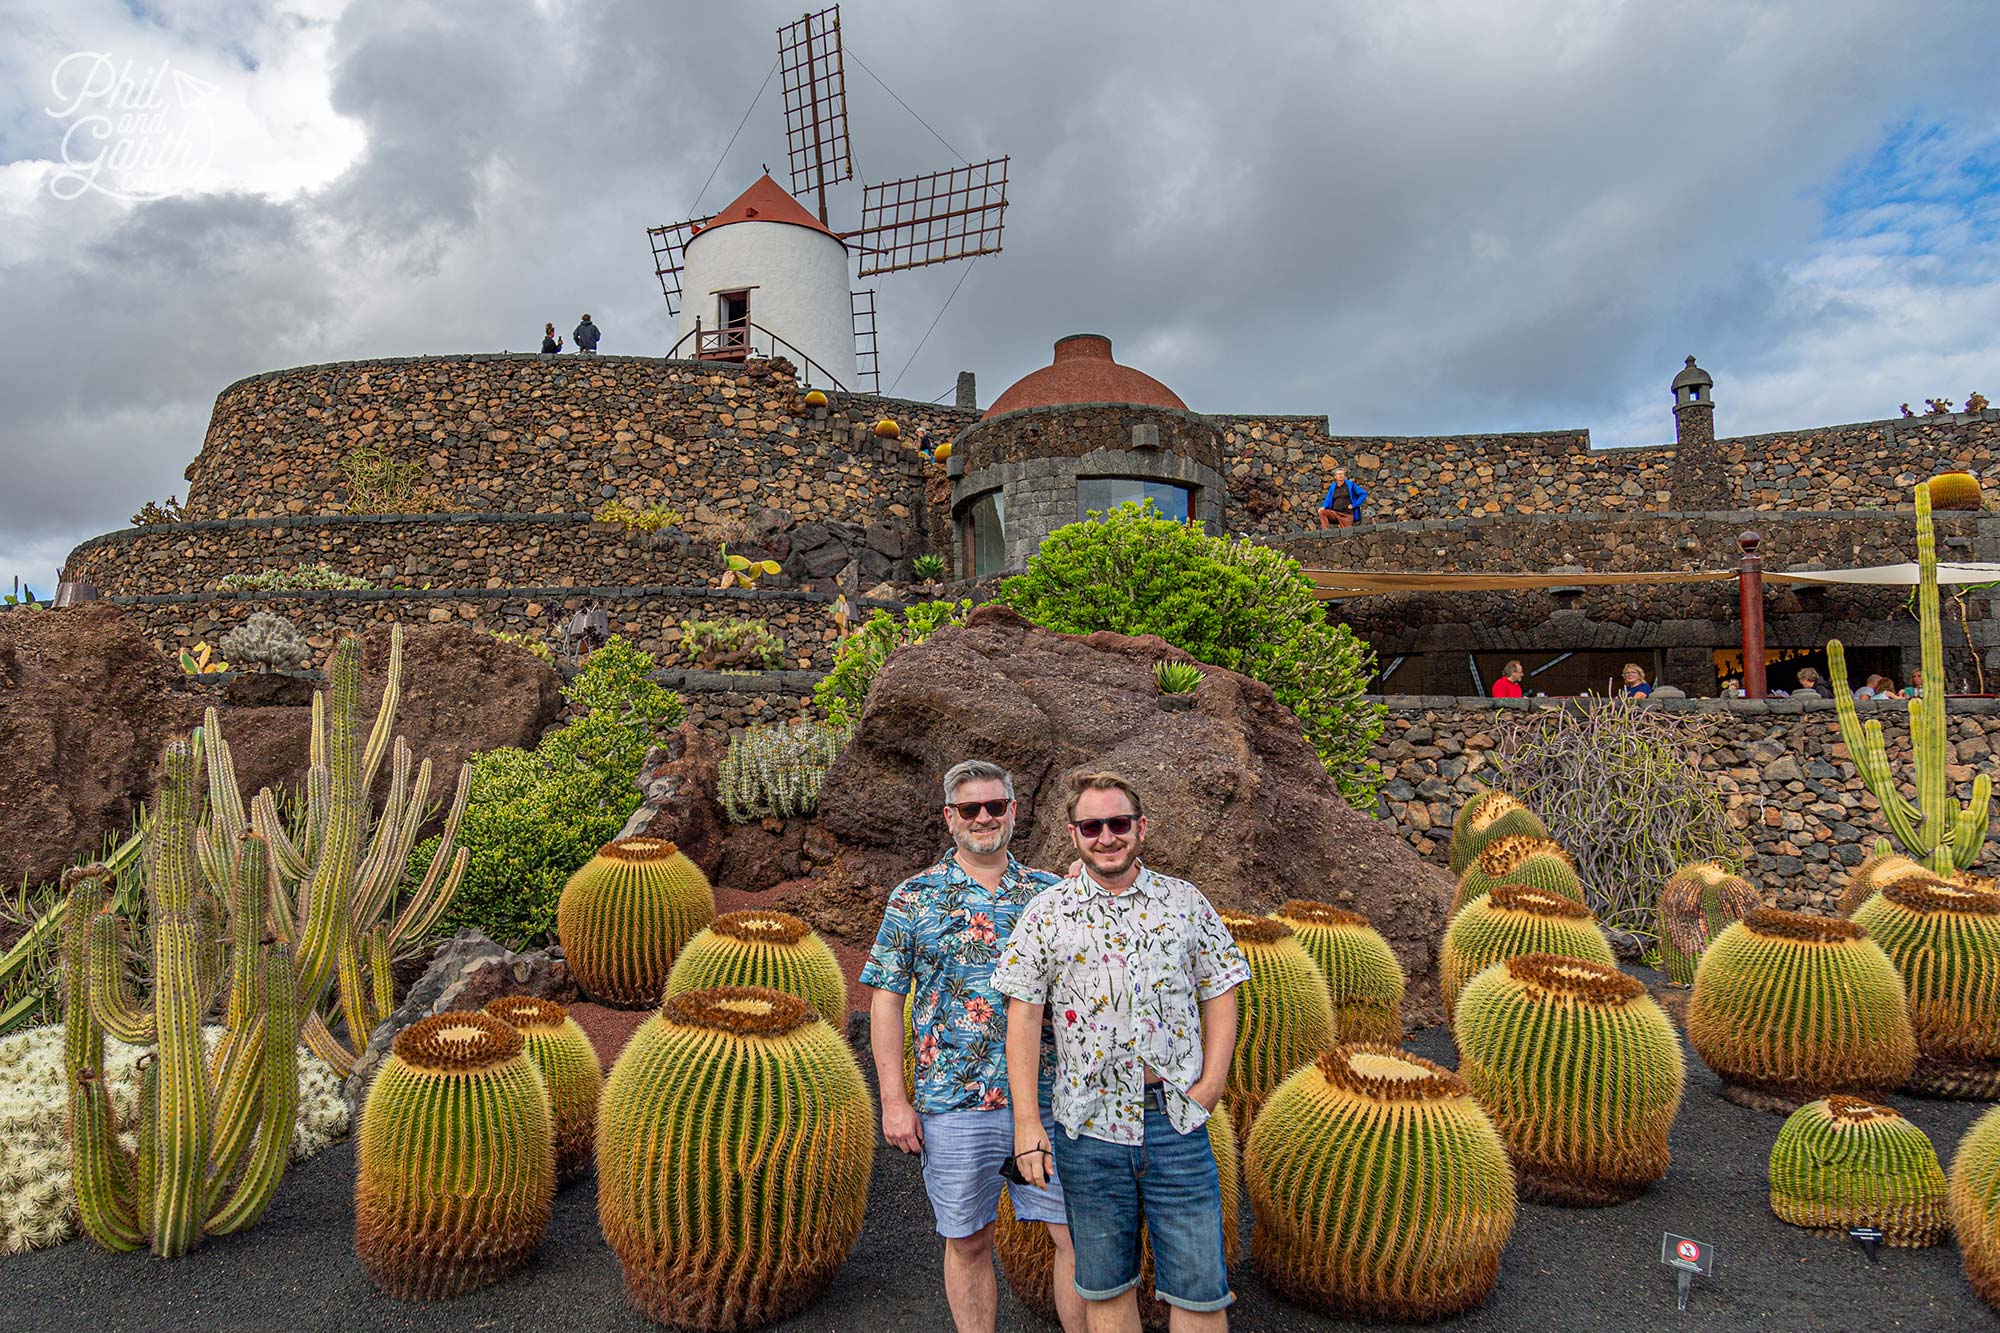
940 937
1140 975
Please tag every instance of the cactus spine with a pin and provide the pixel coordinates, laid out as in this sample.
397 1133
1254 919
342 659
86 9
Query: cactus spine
1945 940
1788 1008
1364 981
1974 1200
567 1062
1695 904
1842 1162
1489 815
1513 920
1588 1127
734 1143
1381 1190
1535 862
760 948
1284 1018
1933 829
214 1133
625 915
1879 867
457 1161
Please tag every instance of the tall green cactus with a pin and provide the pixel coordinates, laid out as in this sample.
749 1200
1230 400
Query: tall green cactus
214 1132
1933 828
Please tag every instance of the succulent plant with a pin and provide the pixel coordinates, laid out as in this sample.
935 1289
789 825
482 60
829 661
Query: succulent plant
777 771
1973 1196
1945 940
624 916
731 645
1695 904
267 639
1489 815
1177 677
1878 868
764 948
1535 862
1842 1162
1590 1126
928 566
1956 490
1364 980
1028 1257
1284 1017
571 1074
456 1161
734 1146
1380 1188
1788 1008
1513 920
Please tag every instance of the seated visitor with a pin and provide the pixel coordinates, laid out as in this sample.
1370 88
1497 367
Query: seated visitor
1343 501
1915 688
1635 682
1509 684
1809 680
1869 690
1732 688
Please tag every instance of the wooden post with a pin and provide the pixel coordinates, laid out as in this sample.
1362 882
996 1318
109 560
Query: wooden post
1750 582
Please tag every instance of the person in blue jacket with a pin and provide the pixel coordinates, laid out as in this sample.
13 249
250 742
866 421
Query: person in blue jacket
1343 501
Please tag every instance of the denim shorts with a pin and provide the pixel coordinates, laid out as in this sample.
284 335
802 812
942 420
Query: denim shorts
1169 1182
962 1155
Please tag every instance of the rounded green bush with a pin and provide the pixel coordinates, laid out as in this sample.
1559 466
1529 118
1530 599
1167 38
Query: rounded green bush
1535 862
1696 902
1973 1197
1489 815
1284 1018
624 916
1945 940
764 948
568 1064
1842 1162
1364 979
1513 920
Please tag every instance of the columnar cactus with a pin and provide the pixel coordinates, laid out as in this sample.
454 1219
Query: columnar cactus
1842 1162
1974 1199
1380 1188
1788 1008
1588 1127
1284 1018
1513 920
457 1163
1364 981
567 1062
1933 829
764 948
624 917
1535 862
1696 902
1489 815
1945 940
1878 868
734 1143
214 1133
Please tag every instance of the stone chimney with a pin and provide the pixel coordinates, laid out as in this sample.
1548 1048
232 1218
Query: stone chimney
1694 406
968 391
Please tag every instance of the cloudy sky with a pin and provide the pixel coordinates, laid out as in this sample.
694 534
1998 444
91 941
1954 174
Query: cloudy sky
1416 218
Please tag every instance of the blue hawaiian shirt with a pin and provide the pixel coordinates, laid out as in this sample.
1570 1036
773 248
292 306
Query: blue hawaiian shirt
940 937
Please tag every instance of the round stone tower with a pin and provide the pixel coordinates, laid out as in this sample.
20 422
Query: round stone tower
1694 406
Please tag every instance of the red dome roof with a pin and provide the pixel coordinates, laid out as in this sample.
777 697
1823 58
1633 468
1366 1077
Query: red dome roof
1083 372
766 201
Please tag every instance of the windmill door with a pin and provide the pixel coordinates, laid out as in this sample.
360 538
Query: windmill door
732 326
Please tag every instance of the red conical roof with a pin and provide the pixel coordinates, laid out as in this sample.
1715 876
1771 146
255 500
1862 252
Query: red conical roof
766 201
1083 372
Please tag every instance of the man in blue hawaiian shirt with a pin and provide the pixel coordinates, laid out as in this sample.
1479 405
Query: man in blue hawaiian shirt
941 935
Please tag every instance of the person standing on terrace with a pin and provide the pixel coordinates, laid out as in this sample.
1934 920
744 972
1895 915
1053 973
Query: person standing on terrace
1509 684
1343 501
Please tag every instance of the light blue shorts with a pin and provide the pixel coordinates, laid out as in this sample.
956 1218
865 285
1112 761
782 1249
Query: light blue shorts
962 1155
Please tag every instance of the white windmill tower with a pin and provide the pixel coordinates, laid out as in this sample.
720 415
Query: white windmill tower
764 277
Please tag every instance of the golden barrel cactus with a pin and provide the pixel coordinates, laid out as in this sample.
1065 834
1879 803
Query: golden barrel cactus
1945 940
1535 862
1875 870
1842 1162
1364 980
1489 815
1789 1008
735 1138
624 916
456 1160
1696 902
1284 1018
568 1064
764 948
1589 1126
1513 920
1973 1195
1956 490
1380 1188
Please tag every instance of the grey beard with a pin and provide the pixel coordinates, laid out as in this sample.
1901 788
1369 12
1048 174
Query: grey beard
983 846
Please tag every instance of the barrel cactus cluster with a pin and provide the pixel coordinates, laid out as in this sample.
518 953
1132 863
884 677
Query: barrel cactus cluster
1513 920
1364 980
1876 869
763 948
1487 816
1973 1200
1580 1070
1284 1018
1536 862
1696 902
1945 941
624 916
571 1075
1843 1162
735 1138
1788 1008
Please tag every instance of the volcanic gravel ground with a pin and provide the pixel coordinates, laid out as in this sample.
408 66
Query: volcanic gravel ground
1564 1269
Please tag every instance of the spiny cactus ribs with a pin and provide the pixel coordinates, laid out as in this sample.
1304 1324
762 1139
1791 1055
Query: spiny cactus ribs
1875 870
1364 980
1974 1201
1956 490
1284 1015
1487 816
625 915
1535 862
1945 940
1696 902
1514 919
564 1057
1844 1162
764 948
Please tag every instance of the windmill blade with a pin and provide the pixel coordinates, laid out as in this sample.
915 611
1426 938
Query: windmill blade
668 243
932 219
813 70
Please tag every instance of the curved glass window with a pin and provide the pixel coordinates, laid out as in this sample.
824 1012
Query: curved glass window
1104 493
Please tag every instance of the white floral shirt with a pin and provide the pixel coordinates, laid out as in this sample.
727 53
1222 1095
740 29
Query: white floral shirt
1124 976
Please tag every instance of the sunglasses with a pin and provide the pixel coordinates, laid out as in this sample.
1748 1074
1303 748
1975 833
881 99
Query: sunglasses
994 808
1120 825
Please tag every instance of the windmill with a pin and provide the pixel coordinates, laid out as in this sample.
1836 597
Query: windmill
770 290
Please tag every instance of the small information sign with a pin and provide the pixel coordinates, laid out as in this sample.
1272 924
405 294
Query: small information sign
1869 1237
1687 1257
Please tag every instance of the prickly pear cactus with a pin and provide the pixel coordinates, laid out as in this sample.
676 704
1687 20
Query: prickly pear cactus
764 948
1284 1018
457 1159
1842 1162
1590 1128
1489 815
567 1062
624 916
1945 940
1696 902
1513 920
1364 980
1535 862
1974 1199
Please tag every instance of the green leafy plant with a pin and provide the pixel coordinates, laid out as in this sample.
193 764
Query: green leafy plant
269 640
318 576
378 484
1178 677
1232 604
654 517
528 641
842 691
153 512
777 770
928 567
740 571
201 660
731 645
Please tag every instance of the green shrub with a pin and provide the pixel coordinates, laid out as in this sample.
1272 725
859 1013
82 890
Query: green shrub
731 645
1233 604
844 689
535 815
318 575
